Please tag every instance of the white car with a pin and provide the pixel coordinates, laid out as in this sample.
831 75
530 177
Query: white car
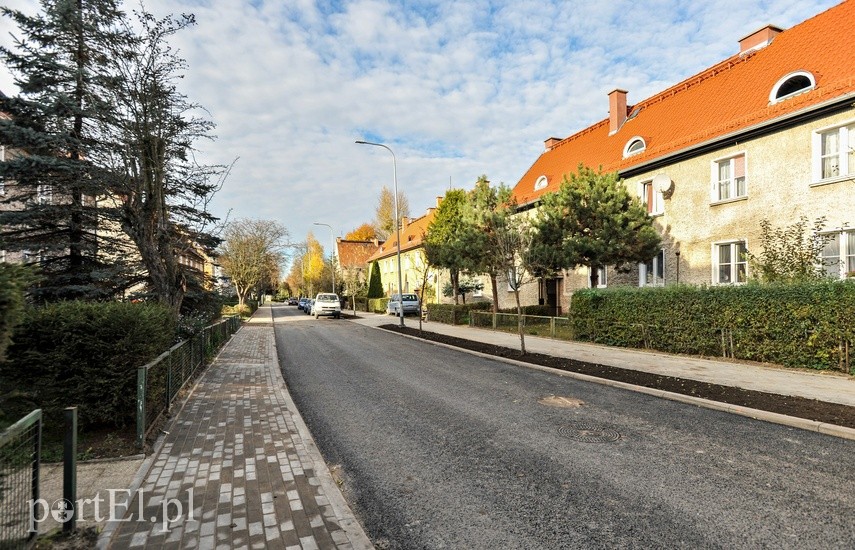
327 304
410 303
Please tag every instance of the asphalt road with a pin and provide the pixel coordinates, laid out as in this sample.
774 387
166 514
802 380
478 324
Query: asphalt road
442 449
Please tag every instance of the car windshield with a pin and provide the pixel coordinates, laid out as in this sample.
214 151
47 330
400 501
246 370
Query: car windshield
409 298
327 297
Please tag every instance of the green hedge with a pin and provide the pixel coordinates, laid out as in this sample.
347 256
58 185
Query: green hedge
544 311
799 325
377 305
13 281
452 314
84 354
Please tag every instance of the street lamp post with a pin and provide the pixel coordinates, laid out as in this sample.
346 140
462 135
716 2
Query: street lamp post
397 226
332 253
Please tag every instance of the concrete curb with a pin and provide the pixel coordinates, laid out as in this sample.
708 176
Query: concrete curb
347 520
776 418
105 538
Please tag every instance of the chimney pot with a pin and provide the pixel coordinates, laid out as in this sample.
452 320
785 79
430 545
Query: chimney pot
551 142
617 110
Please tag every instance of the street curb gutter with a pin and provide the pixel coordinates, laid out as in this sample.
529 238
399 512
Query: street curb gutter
347 520
776 418
105 538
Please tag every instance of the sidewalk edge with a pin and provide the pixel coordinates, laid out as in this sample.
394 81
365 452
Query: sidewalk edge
757 414
105 537
345 516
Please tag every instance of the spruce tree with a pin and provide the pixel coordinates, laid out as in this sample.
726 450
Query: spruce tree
51 135
375 284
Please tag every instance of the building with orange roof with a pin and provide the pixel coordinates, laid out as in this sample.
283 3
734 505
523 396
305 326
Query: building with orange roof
414 267
352 261
768 133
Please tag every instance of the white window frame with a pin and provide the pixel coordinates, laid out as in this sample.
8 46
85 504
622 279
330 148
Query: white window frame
773 95
658 206
845 253
845 154
732 183
632 141
511 275
643 271
541 183
602 278
734 263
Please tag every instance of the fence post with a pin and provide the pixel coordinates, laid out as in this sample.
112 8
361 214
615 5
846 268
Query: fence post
141 382
69 470
169 381
37 462
552 327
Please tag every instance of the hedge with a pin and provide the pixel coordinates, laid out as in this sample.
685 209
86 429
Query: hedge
85 354
543 311
455 314
378 305
13 281
800 325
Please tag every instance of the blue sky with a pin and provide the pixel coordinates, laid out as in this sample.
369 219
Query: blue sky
456 89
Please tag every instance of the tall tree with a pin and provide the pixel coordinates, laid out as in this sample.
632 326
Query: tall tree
593 221
514 256
251 253
487 208
313 262
384 214
375 282
364 232
162 194
445 241
65 76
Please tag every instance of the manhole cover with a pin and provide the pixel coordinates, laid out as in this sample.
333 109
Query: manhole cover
558 401
588 433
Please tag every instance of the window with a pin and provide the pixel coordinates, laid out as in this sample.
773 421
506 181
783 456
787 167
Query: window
512 280
792 84
834 153
730 265
634 146
728 178
838 256
652 273
651 198
2 159
541 183
602 279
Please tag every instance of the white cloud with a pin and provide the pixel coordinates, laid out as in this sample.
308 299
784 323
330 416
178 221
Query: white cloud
457 89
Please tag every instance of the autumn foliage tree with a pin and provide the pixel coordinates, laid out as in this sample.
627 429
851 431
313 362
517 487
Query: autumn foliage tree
384 214
364 232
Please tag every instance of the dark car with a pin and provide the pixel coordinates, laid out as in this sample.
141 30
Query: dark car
301 304
292 301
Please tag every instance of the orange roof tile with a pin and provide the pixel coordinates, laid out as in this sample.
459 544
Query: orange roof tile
355 253
411 237
725 99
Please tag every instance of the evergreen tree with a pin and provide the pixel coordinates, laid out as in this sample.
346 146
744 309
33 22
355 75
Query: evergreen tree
445 241
593 221
51 135
375 284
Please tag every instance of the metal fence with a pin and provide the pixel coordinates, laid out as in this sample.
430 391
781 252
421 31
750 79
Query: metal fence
160 381
20 447
533 325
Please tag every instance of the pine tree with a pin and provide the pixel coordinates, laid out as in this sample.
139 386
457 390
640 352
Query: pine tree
593 221
445 241
51 135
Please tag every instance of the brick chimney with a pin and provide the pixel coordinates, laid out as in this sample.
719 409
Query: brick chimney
617 110
404 222
438 201
551 142
759 38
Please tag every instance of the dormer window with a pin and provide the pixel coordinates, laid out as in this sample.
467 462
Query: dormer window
540 183
792 84
634 146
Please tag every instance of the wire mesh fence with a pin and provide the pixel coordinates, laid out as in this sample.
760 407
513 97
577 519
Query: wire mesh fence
160 381
20 447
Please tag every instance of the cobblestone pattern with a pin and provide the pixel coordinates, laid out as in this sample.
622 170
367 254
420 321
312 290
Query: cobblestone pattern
233 472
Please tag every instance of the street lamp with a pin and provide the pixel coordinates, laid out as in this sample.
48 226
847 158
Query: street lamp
397 226
332 254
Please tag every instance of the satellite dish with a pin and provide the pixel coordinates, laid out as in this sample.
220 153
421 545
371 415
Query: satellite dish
662 183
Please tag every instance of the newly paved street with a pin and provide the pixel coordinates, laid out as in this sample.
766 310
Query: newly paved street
438 448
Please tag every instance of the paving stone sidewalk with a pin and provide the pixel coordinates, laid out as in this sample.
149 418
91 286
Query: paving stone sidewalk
238 468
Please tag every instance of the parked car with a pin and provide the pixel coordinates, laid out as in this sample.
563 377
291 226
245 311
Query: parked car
292 301
301 304
327 304
310 303
410 303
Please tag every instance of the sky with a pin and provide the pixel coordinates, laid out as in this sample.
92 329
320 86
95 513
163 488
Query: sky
456 89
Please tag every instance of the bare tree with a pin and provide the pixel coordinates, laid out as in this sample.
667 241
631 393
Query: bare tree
384 214
251 253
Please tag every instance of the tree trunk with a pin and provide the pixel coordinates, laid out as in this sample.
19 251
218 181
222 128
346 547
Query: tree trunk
455 285
520 322
494 284
595 276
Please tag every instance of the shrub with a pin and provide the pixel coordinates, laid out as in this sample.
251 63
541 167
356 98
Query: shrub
85 354
13 280
799 325
378 305
544 311
452 314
